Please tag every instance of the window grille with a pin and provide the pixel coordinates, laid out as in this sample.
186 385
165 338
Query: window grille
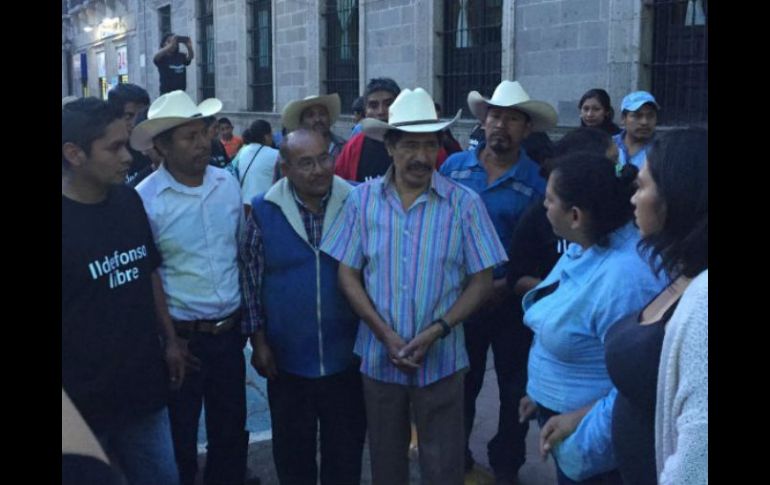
206 47
472 49
261 57
680 61
341 18
164 20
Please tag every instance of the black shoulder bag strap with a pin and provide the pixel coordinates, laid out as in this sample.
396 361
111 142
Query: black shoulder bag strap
252 161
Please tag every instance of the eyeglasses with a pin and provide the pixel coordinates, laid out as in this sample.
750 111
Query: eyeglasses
306 163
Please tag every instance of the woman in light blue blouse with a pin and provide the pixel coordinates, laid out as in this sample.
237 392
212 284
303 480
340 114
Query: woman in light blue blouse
600 279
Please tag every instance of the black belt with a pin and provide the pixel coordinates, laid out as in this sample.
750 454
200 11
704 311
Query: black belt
213 327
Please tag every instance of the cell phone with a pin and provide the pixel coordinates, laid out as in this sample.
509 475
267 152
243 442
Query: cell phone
183 39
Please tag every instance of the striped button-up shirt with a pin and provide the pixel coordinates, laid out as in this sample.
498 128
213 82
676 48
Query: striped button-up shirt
415 264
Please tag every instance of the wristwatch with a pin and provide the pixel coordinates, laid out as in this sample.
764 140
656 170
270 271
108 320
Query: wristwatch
446 328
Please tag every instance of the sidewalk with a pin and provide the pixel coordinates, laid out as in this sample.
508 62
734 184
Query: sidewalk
534 472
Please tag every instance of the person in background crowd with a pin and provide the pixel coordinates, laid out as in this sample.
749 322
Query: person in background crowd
255 163
358 114
172 63
640 117
317 113
232 143
448 142
596 111
132 100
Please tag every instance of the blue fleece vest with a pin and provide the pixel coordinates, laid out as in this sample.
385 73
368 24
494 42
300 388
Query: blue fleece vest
290 299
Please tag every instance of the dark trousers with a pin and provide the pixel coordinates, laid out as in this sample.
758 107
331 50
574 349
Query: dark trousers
298 405
220 384
502 329
611 477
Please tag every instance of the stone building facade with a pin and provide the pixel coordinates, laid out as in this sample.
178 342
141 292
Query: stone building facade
257 55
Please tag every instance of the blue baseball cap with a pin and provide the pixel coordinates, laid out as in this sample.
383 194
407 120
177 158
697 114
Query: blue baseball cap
634 101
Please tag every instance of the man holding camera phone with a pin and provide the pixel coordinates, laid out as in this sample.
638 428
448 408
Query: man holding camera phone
172 64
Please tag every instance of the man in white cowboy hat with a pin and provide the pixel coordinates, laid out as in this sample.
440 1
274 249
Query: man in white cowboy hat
508 181
303 338
317 113
113 367
426 247
195 213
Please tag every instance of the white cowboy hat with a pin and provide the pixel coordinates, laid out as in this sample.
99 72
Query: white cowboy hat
412 112
169 111
510 94
292 112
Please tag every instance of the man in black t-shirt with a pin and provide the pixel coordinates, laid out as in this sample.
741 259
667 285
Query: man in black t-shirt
114 366
172 63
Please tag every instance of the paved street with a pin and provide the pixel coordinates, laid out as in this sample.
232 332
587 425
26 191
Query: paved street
534 471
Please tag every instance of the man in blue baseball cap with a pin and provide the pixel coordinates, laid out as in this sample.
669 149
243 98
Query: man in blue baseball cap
639 112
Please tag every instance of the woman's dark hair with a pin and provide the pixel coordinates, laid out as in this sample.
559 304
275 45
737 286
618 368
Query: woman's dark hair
589 181
85 120
256 132
604 99
678 163
538 146
585 139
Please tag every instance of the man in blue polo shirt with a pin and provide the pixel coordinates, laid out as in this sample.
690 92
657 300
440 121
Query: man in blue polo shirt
508 181
639 112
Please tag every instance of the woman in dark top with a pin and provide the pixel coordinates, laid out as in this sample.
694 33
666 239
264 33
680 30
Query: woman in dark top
672 215
596 111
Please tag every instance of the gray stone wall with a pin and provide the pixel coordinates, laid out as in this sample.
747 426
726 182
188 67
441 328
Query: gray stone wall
296 50
565 47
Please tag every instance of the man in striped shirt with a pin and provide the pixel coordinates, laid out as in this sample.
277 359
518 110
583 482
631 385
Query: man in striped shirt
426 247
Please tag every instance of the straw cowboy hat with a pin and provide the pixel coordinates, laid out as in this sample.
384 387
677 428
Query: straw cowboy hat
292 112
412 112
510 94
169 111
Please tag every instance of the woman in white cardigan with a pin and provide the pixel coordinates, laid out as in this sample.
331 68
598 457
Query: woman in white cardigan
661 431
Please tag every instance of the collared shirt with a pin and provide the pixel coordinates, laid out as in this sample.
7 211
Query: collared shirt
336 145
196 232
253 257
597 288
623 155
415 264
507 197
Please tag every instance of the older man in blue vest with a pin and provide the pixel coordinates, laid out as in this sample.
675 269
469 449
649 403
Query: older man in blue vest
303 327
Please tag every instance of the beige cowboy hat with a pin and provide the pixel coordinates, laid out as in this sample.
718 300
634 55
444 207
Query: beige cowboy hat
412 112
169 111
292 112
510 94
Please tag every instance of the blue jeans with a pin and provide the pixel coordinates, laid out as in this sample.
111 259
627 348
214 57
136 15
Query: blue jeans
611 477
502 329
143 449
221 384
